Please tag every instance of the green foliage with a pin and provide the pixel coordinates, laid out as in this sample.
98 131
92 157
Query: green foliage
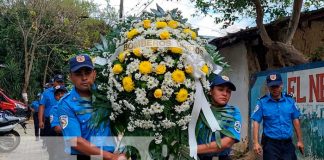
231 11
318 55
61 28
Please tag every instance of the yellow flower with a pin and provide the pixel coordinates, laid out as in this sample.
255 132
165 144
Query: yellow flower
128 84
147 23
178 76
132 33
182 95
189 69
117 69
121 56
190 32
160 69
165 35
154 49
158 93
160 24
176 50
205 69
137 52
145 67
173 24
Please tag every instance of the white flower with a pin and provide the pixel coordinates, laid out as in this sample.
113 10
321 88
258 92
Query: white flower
128 105
157 108
169 61
183 107
137 76
141 96
130 128
158 138
167 124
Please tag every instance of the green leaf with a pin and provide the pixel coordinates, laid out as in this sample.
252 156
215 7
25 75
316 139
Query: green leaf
218 139
160 10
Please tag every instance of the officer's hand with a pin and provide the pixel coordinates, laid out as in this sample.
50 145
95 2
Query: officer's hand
41 124
118 157
257 149
300 146
122 157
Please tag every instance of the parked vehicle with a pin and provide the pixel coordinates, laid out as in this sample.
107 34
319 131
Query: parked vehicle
15 107
9 138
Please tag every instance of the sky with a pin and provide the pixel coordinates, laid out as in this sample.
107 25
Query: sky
206 24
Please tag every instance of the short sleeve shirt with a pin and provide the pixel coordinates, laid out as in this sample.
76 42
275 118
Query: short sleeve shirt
277 116
75 114
48 100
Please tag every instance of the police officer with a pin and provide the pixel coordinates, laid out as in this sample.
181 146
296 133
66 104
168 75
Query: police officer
220 89
47 101
34 107
55 142
75 111
59 92
280 116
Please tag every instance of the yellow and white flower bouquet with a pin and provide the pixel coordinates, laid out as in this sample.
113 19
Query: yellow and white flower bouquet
151 78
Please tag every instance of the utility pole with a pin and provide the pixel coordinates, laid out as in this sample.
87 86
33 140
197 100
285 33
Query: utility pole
121 7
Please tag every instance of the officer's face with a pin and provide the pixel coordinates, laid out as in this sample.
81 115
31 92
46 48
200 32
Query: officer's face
275 91
83 78
221 94
58 83
59 95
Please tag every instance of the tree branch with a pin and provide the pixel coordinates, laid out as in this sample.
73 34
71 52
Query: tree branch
289 52
259 20
293 22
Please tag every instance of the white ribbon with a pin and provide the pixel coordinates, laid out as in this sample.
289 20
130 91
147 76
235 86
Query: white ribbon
200 102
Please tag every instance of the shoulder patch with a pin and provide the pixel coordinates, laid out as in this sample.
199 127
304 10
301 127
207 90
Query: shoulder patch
64 121
51 118
290 95
257 107
264 96
237 126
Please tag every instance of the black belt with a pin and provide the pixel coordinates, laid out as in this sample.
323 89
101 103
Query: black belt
268 139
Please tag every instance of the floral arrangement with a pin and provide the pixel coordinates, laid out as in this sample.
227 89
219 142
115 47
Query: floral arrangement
149 81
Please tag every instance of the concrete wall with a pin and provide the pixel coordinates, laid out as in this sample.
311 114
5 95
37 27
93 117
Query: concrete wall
236 56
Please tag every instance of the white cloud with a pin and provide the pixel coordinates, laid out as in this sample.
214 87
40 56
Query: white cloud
206 24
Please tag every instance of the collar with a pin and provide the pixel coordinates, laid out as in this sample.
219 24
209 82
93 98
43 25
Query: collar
270 98
76 96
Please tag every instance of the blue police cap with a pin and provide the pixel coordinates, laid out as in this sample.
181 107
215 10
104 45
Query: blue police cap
51 81
59 88
274 79
80 61
58 78
219 80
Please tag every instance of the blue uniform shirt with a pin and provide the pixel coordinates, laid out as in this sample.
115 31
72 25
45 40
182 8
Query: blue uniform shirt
53 117
74 115
235 129
48 100
35 105
277 116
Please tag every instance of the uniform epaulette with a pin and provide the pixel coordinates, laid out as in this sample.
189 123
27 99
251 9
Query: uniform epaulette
290 95
263 96
65 95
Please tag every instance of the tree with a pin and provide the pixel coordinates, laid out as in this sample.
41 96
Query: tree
43 27
264 11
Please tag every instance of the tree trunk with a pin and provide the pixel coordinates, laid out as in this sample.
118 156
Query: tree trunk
45 71
284 49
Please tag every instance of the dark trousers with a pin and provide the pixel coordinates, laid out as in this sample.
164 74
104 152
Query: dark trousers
278 149
36 126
